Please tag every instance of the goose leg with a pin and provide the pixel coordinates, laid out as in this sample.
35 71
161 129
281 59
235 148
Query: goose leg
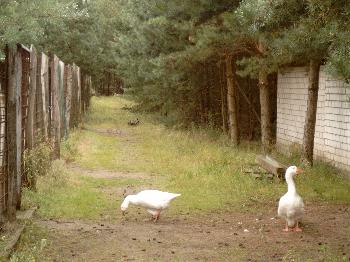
297 228
156 216
286 229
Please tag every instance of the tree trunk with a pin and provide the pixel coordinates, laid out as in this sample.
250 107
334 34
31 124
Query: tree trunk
223 99
208 88
232 100
266 125
310 118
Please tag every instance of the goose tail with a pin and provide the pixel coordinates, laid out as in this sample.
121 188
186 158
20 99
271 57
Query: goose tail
174 195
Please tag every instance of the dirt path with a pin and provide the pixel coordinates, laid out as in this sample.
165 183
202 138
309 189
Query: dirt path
189 237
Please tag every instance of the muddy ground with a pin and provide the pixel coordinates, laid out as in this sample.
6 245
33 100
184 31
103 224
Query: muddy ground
234 236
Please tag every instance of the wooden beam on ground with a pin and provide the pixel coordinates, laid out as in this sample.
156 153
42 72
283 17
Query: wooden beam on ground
14 238
8 249
271 165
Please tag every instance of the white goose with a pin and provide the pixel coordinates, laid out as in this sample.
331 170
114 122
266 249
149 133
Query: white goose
153 200
291 205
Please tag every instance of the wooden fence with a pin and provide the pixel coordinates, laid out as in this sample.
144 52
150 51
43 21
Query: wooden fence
40 99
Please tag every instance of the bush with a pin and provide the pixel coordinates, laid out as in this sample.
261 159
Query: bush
37 162
69 147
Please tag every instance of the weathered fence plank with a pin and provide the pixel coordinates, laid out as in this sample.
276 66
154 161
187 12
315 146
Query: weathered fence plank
44 82
62 102
79 94
3 147
55 109
32 93
39 96
76 97
68 96
85 92
14 130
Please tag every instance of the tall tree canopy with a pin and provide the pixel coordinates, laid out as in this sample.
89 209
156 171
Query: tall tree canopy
186 59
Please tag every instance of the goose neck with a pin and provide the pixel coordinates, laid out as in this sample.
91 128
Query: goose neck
291 184
131 199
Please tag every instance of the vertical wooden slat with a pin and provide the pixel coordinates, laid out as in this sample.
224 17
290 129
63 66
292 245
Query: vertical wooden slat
79 94
73 113
44 79
55 122
3 142
61 100
14 130
89 91
69 83
32 93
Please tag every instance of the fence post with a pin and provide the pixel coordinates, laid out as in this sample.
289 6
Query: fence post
68 96
14 130
31 99
76 93
79 93
55 122
3 138
44 79
89 92
83 93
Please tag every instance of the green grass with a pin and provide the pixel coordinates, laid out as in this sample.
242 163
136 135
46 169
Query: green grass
31 245
65 195
200 164
322 182
110 182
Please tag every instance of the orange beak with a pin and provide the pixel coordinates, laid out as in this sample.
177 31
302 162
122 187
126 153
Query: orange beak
299 171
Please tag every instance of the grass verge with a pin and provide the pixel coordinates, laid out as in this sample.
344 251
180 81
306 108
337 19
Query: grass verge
62 194
200 164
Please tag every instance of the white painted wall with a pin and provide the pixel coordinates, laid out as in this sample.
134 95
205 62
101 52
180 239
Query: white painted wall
332 135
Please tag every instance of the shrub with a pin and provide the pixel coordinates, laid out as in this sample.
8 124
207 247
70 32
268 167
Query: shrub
37 162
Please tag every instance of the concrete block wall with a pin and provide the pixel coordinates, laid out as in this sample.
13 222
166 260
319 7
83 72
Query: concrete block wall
332 134
291 105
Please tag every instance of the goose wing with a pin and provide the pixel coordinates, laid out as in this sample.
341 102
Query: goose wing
155 199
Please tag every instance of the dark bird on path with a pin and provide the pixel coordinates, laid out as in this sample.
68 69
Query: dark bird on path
134 122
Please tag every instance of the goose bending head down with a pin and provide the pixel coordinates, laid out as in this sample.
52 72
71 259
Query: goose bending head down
153 200
291 205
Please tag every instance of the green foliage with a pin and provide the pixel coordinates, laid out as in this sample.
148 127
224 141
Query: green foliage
69 150
162 49
64 194
37 162
31 246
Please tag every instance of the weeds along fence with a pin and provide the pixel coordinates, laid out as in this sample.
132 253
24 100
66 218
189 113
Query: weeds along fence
41 98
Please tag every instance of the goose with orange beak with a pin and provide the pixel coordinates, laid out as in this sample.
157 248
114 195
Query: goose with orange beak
291 205
154 201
